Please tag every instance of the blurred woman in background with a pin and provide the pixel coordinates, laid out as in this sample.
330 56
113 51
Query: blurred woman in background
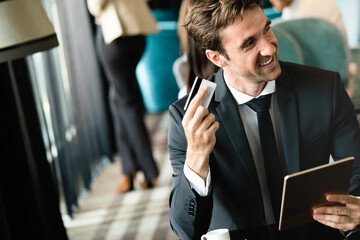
122 27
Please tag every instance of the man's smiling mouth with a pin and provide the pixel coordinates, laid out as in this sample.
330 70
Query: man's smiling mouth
267 62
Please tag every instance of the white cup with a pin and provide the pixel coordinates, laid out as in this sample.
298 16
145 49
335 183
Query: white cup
218 234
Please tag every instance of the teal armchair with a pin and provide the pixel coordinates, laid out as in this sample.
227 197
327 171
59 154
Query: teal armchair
322 44
289 47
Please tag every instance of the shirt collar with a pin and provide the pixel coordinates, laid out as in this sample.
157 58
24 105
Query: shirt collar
242 98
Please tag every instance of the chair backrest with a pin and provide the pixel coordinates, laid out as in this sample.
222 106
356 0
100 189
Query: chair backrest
321 43
272 12
289 48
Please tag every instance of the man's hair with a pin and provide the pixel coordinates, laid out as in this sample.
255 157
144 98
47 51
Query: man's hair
205 19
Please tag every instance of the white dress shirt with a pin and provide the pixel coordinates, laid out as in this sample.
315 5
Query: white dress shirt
249 120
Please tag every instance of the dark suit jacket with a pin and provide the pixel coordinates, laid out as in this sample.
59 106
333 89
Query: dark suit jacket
317 119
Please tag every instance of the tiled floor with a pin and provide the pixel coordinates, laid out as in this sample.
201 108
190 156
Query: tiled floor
105 214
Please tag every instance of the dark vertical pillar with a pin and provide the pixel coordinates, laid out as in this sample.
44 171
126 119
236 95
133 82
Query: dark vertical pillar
4 228
29 197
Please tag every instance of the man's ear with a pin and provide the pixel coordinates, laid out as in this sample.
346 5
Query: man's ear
215 57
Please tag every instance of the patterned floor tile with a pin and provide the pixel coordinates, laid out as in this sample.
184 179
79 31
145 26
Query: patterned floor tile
104 214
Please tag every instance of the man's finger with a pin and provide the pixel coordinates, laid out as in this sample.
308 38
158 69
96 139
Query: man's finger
332 218
207 122
195 103
335 210
342 198
342 226
214 126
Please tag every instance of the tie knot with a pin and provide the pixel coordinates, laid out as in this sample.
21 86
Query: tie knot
260 104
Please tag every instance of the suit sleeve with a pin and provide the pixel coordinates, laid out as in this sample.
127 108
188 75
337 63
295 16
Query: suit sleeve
346 133
190 213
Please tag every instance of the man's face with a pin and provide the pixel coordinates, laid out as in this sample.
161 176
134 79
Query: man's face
251 47
281 4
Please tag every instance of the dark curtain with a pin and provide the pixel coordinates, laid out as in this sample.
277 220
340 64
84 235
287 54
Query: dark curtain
79 112
104 82
29 201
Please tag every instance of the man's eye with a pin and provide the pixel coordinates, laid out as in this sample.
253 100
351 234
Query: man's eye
249 43
267 28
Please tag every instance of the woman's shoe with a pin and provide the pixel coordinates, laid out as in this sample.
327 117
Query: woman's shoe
126 184
148 184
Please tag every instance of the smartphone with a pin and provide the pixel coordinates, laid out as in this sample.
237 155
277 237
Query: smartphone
198 84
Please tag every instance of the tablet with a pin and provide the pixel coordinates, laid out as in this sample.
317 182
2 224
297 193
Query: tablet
306 190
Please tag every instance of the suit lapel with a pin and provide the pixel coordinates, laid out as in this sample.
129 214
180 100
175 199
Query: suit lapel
289 121
229 119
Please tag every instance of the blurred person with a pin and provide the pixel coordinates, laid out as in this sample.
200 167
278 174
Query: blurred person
181 31
121 40
192 63
324 9
199 64
228 162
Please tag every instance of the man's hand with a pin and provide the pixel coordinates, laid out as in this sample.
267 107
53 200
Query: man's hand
345 217
200 128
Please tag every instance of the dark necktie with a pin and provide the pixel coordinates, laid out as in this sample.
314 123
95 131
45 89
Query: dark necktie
273 171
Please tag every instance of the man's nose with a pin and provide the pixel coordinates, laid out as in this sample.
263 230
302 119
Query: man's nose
267 47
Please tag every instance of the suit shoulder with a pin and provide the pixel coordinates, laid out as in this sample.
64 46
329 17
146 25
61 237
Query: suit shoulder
302 74
213 76
300 70
179 105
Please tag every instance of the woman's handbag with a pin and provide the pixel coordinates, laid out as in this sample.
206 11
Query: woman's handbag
126 18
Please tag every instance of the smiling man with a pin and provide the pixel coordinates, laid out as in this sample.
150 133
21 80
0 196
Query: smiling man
267 119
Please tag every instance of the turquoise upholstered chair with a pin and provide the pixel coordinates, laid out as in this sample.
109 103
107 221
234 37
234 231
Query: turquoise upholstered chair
271 12
289 48
322 44
154 71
